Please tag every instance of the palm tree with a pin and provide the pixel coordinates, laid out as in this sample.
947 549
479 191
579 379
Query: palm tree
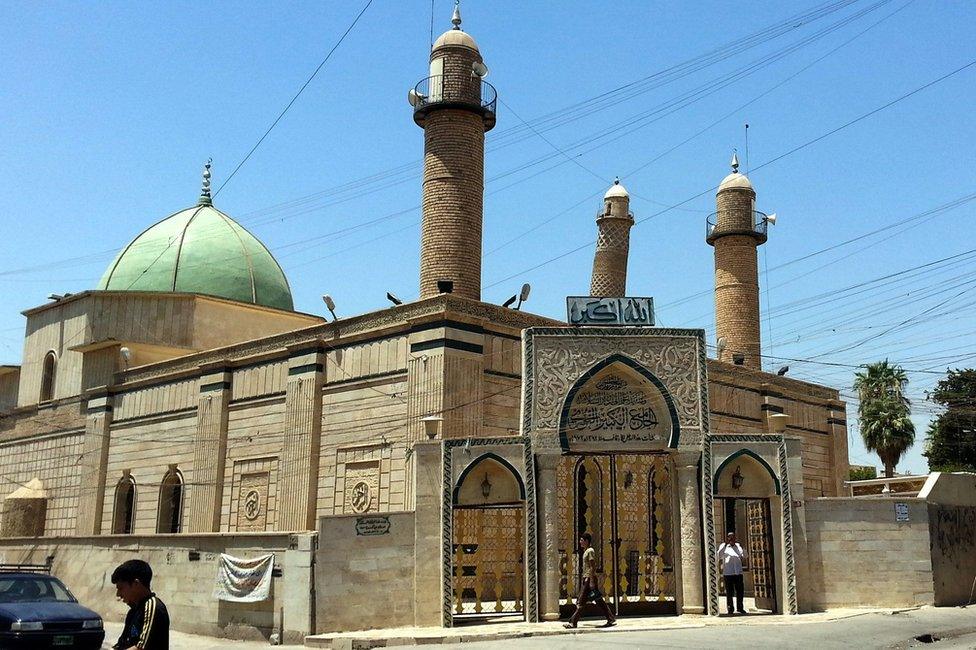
884 412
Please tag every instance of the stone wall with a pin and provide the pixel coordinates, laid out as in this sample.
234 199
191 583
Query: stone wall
953 535
952 520
860 556
365 577
184 567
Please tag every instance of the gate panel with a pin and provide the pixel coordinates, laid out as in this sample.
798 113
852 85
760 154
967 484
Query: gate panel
761 553
624 500
488 561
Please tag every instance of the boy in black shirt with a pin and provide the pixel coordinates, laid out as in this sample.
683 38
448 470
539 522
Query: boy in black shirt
147 623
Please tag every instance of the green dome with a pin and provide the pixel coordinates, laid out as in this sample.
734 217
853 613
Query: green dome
200 250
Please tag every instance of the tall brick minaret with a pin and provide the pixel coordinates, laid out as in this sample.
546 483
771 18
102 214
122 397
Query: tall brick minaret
609 279
455 107
735 231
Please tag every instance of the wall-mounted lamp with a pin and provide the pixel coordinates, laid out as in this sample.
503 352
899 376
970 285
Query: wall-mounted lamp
737 478
432 425
486 487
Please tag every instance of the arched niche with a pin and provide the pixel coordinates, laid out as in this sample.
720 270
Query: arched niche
618 405
123 518
758 480
49 370
492 474
170 515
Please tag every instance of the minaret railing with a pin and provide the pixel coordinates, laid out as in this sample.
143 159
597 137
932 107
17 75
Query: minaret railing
729 222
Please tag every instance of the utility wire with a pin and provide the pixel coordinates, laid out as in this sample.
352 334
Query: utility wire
790 152
295 98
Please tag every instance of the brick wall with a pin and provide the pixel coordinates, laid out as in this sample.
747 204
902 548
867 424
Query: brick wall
736 278
453 195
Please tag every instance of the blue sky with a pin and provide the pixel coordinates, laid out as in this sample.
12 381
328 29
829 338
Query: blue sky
110 109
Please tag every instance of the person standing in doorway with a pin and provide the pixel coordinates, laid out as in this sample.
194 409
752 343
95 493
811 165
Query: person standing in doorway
730 557
588 585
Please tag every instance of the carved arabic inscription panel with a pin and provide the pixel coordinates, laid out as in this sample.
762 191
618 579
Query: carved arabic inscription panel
616 409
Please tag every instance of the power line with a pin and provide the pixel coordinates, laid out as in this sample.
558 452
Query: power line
765 164
295 98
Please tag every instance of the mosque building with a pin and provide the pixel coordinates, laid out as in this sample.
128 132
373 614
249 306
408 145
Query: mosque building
183 406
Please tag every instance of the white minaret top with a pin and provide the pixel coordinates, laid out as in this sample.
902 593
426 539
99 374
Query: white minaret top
616 190
735 179
455 35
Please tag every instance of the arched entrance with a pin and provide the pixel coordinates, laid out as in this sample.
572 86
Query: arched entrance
626 503
747 503
618 423
488 563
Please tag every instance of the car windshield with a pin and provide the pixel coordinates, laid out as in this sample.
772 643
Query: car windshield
32 589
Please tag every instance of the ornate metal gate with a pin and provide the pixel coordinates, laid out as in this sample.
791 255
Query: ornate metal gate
761 553
625 502
488 564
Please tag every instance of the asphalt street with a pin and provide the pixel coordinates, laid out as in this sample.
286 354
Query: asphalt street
954 627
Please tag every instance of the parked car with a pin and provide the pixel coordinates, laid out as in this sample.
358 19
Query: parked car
37 611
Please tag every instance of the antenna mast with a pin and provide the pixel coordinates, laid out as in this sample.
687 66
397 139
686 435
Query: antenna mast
747 149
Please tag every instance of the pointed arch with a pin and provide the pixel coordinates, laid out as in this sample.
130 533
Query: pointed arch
640 370
750 454
480 459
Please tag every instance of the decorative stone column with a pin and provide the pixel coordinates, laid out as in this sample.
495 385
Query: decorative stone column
796 560
430 587
94 460
210 449
302 439
548 536
689 505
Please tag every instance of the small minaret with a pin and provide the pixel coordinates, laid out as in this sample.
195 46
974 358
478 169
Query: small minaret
609 279
735 230
455 107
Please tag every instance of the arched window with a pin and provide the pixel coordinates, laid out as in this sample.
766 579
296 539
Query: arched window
47 376
125 501
170 514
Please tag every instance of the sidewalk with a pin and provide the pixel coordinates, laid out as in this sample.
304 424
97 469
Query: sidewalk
405 636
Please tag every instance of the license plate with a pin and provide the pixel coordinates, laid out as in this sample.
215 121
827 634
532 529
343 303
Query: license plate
63 640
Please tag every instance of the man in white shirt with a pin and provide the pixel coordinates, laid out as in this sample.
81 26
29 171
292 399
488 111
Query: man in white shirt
730 557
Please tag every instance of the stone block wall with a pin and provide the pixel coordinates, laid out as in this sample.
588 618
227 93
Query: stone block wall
184 568
953 534
860 556
365 578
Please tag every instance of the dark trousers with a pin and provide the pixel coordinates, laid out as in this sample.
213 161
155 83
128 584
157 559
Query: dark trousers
734 583
586 588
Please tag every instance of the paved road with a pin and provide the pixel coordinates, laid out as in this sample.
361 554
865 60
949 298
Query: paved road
955 626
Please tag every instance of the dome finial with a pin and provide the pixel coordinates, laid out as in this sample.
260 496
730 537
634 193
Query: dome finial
616 180
205 198
456 17
735 162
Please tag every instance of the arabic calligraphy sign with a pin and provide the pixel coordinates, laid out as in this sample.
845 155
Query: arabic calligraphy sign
633 312
616 410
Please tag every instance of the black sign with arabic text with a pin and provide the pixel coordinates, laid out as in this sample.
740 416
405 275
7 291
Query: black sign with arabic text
372 525
626 312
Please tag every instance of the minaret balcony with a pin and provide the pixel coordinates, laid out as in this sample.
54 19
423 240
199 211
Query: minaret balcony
734 222
470 93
